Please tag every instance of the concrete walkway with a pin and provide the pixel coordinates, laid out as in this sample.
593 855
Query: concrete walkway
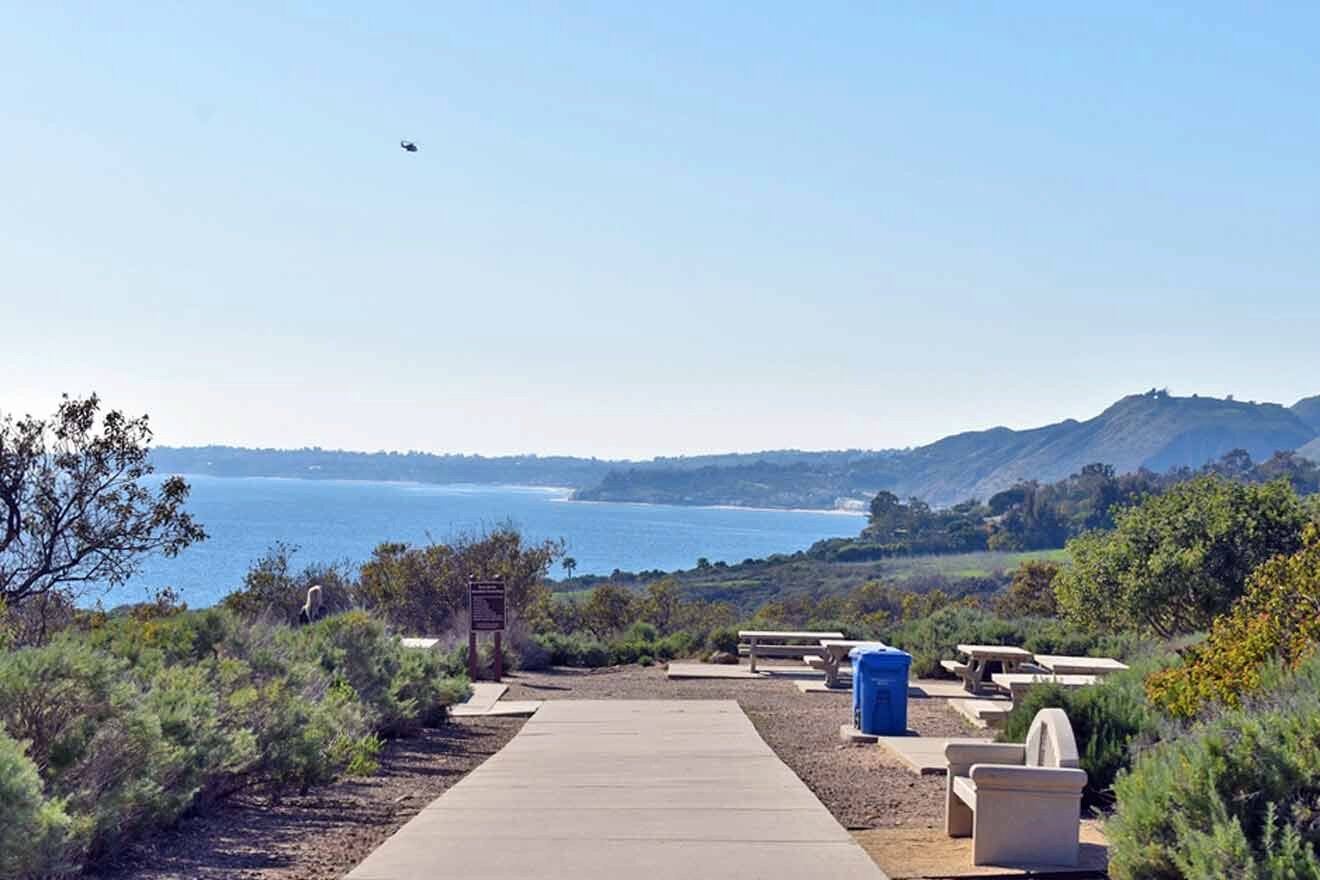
485 701
626 788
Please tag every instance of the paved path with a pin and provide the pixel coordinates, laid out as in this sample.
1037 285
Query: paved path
626 788
485 701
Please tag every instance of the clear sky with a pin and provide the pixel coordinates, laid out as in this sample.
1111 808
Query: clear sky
653 228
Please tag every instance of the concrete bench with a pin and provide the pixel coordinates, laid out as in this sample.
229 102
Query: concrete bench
1063 665
954 668
1019 802
775 643
1018 683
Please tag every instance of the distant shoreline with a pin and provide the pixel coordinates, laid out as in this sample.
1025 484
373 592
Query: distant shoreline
833 511
565 491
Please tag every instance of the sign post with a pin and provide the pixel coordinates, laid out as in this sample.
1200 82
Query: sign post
485 614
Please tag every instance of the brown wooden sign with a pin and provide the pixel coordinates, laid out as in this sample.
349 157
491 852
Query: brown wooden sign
486 606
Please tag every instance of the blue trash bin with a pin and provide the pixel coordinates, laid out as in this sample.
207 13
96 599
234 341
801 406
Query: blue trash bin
880 690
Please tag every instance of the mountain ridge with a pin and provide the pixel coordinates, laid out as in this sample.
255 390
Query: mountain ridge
1153 430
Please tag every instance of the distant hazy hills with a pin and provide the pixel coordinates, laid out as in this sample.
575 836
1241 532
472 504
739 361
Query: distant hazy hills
1153 430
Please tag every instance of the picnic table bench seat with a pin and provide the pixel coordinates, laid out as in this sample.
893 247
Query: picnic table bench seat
953 667
1065 665
1018 683
775 643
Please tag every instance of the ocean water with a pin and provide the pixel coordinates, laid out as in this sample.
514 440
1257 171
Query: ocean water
339 520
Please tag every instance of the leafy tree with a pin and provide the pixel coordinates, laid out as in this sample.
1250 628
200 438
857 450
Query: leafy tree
609 610
1031 594
1181 559
662 604
74 511
423 589
271 588
569 564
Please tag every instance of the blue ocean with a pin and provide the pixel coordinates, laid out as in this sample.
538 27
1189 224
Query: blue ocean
334 521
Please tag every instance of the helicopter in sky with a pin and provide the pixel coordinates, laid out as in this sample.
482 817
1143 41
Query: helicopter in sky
408 146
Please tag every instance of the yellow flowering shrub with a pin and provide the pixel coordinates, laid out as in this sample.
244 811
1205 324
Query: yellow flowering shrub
1278 617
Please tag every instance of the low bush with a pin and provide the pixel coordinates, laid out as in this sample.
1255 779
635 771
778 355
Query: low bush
1237 795
575 650
936 636
723 638
455 660
131 724
1107 720
641 631
675 645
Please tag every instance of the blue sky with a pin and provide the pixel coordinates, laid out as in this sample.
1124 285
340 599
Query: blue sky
667 228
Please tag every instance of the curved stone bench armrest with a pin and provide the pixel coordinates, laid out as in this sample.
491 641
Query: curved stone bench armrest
990 777
966 752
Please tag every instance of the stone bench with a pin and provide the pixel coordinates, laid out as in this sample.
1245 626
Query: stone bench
954 668
774 643
1018 683
1019 802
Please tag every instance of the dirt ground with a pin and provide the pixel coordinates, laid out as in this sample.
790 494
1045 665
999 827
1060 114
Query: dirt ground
861 786
323 835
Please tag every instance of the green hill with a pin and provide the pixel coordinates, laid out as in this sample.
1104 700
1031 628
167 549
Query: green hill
1154 430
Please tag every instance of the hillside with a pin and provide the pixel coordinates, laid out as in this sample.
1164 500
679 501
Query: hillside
1152 431
527 470
1311 450
1308 410
1155 431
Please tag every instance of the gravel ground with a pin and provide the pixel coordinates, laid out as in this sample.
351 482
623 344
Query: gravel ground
861 785
324 834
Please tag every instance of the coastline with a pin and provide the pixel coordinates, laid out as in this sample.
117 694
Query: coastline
565 492
832 511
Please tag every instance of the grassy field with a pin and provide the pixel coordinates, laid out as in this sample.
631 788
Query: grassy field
748 585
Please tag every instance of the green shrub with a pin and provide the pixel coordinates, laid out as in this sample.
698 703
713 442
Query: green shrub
723 638
674 645
645 660
935 637
575 650
1235 796
1177 561
454 662
35 833
641 631
1107 718
96 742
144 717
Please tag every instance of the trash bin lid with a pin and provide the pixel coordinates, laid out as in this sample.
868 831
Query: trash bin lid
879 657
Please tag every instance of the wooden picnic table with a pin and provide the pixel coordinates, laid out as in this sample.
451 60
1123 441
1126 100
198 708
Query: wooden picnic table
835 652
979 658
1061 665
775 643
